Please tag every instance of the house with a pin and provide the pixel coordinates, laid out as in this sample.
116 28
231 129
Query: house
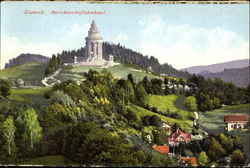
166 128
236 122
191 161
162 149
179 137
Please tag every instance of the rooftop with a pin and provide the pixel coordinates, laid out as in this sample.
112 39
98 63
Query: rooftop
162 149
233 118
179 136
190 160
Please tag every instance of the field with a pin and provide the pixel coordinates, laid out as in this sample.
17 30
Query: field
119 71
27 94
56 160
172 102
185 124
169 104
31 73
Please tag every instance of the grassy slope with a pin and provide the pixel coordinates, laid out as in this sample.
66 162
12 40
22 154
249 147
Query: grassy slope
185 124
33 97
27 94
56 160
119 71
172 102
31 73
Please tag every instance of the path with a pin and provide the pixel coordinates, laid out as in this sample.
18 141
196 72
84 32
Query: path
52 76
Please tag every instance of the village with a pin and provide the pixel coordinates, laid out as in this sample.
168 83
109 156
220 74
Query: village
175 139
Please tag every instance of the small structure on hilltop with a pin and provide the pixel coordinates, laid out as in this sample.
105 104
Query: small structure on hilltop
162 149
93 50
236 122
150 69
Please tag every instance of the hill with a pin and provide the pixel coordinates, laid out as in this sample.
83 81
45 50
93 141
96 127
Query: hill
118 71
124 55
239 76
30 73
215 68
26 58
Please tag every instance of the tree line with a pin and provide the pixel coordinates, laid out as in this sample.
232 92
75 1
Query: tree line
122 55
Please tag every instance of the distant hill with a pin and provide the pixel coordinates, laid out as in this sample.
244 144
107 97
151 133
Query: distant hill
238 76
215 68
126 56
26 58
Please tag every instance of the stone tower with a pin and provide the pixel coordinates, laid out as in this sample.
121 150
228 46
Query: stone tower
93 48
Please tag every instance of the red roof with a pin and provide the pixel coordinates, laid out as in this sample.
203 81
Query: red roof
162 149
190 160
179 136
233 118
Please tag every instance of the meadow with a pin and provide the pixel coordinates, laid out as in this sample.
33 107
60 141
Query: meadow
118 71
31 73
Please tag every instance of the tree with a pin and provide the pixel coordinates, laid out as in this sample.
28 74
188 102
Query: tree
226 142
131 79
8 129
5 86
155 121
190 103
33 131
175 127
130 92
215 151
237 158
238 144
203 159
145 83
140 94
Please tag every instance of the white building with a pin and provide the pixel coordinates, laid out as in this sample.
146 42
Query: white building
93 50
236 122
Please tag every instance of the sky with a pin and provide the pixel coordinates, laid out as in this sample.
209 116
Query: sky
182 35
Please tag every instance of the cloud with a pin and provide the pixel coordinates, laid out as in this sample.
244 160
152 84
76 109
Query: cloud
67 39
185 45
120 38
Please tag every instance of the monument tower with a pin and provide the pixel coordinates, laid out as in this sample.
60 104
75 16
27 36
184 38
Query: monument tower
93 48
93 51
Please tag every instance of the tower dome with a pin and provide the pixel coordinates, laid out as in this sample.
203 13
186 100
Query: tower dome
93 33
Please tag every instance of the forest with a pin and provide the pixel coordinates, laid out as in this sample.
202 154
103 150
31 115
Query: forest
93 122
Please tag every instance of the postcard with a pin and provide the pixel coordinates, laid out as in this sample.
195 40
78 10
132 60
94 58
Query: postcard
124 84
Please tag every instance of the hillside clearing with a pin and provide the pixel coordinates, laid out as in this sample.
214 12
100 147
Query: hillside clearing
185 124
27 94
169 104
31 73
118 71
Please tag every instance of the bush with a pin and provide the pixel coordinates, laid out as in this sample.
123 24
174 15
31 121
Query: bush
237 158
155 109
153 120
63 98
5 86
